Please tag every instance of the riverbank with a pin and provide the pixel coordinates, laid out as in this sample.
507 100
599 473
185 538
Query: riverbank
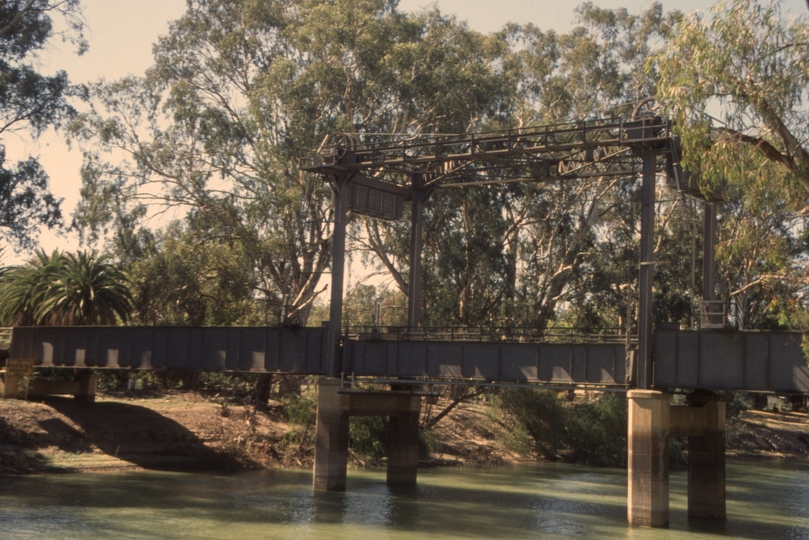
187 431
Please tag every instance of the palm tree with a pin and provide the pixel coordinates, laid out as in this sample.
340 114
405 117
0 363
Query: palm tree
65 289
22 288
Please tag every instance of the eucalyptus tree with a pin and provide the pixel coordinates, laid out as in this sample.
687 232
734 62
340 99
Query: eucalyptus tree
514 255
239 88
578 240
736 82
30 103
213 129
185 276
738 79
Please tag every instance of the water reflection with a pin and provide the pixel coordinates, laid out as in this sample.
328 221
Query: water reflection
549 501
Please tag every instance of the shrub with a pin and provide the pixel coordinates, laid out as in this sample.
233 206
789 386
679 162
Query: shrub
534 420
596 431
368 436
538 421
301 412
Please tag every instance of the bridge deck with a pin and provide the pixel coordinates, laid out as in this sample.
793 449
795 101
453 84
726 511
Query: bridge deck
754 361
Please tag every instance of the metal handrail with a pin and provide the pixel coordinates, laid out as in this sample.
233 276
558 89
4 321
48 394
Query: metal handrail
713 314
487 334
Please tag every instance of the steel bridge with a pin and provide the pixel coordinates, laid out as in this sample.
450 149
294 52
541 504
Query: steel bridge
375 175
706 360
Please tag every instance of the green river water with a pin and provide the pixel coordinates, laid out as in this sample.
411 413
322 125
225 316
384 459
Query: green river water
765 500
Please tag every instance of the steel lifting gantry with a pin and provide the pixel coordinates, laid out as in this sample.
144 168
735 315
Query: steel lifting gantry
374 174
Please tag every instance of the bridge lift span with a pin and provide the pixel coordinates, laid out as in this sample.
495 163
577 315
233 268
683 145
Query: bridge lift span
373 174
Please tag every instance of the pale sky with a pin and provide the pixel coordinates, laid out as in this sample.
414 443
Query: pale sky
121 33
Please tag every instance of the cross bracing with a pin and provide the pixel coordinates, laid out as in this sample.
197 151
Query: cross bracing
587 148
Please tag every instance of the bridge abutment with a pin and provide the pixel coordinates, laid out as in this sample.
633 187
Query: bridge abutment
9 386
336 405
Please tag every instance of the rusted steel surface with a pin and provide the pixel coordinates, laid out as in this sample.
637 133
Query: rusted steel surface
252 349
724 360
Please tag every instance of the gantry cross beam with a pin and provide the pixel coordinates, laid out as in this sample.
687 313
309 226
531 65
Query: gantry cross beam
564 151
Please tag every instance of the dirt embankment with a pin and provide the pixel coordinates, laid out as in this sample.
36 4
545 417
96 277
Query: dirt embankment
179 431
187 431
182 431
769 434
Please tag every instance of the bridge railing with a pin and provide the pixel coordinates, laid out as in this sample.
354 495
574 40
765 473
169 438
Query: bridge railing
487 334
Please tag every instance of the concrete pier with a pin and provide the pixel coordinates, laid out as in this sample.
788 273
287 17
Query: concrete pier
335 405
331 437
83 388
652 421
702 421
403 448
648 459
9 386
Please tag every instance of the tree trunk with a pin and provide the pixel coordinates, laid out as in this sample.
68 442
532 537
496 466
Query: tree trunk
263 386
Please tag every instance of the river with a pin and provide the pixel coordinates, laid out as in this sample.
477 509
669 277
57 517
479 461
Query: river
765 500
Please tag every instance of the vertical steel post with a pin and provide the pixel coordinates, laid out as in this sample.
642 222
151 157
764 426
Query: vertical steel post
644 377
709 253
341 195
416 243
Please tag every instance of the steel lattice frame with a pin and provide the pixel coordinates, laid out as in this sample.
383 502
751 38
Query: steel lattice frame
411 166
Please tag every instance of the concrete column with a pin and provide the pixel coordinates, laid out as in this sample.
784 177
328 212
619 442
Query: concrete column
11 386
706 460
648 459
331 437
87 387
403 447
